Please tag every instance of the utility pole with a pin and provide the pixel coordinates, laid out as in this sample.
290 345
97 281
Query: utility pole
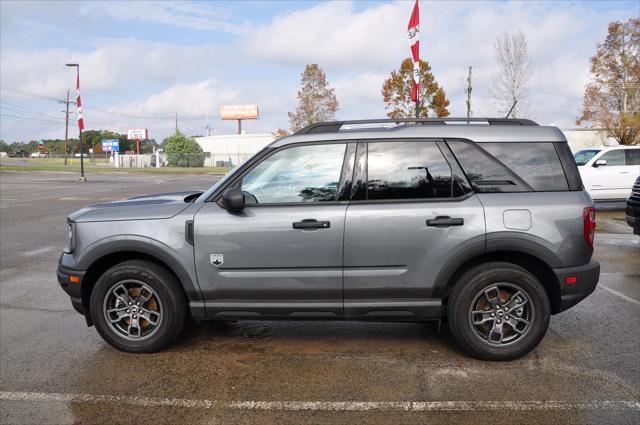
469 94
176 122
66 127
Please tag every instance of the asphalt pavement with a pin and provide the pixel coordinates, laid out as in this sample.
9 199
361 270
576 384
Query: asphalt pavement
54 369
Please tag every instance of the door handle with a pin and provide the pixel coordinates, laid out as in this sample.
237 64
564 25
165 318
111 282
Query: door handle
311 223
445 221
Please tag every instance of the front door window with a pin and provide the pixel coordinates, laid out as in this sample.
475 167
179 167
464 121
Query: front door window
301 174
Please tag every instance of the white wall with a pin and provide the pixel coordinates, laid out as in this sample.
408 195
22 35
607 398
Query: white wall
234 147
580 138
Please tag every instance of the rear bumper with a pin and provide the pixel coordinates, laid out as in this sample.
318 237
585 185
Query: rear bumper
73 289
586 279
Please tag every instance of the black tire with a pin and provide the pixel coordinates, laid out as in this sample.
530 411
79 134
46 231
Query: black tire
169 295
467 293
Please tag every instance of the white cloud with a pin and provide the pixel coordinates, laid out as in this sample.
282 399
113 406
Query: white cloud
113 66
194 15
333 35
351 44
357 45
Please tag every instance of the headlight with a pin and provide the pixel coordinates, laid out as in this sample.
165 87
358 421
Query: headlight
72 236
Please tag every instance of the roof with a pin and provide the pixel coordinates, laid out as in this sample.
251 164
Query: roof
475 129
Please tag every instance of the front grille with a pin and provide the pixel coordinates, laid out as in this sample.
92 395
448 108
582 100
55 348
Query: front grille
636 188
634 199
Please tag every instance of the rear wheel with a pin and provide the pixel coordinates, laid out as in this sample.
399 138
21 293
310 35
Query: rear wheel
138 306
498 311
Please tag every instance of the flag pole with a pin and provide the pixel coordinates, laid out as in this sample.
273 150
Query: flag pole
413 33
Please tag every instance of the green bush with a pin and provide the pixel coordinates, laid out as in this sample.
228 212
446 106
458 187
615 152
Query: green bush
183 151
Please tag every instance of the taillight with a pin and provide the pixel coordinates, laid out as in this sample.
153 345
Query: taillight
589 225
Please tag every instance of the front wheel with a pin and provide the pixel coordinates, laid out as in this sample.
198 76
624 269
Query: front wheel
498 311
138 306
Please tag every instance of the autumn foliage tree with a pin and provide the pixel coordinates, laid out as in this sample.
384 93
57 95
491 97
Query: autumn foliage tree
316 99
279 133
612 96
396 92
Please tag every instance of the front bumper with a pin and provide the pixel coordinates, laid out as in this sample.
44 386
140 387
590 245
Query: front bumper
73 289
586 279
633 217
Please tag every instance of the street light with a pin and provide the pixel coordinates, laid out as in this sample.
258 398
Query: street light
77 67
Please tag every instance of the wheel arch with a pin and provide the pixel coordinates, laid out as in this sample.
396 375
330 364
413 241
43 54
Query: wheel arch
107 255
524 254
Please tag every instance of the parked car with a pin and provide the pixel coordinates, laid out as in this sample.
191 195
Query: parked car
3 154
38 155
633 208
483 222
19 154
608 173
77 155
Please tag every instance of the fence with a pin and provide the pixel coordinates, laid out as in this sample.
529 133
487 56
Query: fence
56 161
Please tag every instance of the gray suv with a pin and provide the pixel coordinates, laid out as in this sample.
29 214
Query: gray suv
481 222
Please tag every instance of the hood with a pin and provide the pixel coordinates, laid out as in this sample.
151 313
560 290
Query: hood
146 207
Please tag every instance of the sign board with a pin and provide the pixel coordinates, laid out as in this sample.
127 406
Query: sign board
111 145
138 134
239 112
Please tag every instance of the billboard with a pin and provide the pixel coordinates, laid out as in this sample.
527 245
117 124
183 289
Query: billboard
239 112
111 145
138 134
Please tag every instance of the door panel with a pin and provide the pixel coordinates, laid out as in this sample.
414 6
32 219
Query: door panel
391 253
281 255
266 261
415 216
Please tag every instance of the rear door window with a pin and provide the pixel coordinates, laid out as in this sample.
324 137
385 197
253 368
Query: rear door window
632 157
408 170
511 166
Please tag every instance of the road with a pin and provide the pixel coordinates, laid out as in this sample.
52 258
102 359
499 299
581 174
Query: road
54 369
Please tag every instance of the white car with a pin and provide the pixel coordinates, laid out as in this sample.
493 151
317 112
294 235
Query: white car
3 154
608 173
38 155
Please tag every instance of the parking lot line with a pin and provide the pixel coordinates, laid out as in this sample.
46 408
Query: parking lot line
357 406
619 294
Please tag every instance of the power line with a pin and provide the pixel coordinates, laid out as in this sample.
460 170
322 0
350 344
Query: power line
20 109
29 119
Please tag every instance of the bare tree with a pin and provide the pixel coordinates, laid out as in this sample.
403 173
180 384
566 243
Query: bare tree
316 99
512 74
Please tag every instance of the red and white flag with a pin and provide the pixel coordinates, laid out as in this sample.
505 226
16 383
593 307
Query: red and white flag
413 32
79 104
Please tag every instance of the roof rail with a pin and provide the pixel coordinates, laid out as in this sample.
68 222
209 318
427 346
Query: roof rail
335 126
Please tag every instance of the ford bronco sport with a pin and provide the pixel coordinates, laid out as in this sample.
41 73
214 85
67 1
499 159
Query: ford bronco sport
482 222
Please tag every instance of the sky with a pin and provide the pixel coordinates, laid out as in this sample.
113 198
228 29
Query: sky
142 62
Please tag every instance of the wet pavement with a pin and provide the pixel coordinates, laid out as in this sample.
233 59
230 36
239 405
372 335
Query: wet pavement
54 369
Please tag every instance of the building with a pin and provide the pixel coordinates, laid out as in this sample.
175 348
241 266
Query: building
231 149
580 138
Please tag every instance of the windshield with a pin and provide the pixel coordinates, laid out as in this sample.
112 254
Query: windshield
585 155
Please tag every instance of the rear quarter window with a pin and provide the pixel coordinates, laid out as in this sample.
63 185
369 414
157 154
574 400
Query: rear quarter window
511 166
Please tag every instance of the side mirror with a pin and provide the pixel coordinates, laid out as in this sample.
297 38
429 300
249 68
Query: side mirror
233 199
600 162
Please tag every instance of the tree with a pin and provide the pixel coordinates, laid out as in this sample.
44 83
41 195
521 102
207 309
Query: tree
3 146
316 100
183 151
612 96
396 93
279 133
512 74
